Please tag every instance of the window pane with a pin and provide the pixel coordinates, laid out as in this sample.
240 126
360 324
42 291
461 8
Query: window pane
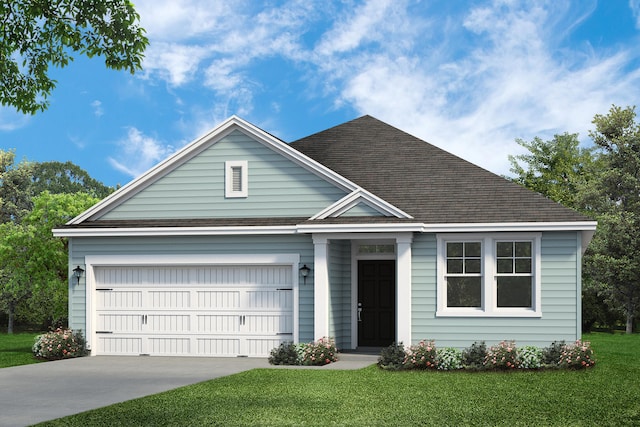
523 265
504 249
472 249
472 266
523 249
464 292
505 265
454 266
514 292
454 250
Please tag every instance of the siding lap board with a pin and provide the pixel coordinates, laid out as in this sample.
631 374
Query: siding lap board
278 187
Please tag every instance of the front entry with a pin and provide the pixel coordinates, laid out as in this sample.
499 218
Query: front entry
376 303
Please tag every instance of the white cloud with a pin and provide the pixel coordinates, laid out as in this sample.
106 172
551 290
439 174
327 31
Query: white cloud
98 111
635 9
11 120
139 153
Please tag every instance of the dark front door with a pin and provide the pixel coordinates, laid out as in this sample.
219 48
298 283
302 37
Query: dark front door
376 303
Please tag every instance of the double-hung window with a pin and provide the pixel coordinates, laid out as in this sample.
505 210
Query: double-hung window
489 275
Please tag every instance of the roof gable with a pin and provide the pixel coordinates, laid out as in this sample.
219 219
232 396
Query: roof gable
191 183
428 183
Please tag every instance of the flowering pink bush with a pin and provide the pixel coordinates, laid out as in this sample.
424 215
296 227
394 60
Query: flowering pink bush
59 344
421 356
577 356
502 356
319 353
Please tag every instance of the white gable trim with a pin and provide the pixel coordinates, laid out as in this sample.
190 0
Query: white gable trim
205 141
356 197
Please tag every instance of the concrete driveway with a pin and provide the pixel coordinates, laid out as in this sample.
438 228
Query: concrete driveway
34 393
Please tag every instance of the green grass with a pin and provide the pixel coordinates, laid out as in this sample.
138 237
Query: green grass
605 395
15 349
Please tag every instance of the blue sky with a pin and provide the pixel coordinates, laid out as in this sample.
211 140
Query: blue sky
467 76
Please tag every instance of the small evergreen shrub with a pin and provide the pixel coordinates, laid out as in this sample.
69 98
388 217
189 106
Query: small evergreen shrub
448 359
392 357
285 354
577 356
421 356
529 357
63 343
551 355
321 352
502 356
473 357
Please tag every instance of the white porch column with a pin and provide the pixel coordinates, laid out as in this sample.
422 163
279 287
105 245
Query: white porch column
320 287
403 296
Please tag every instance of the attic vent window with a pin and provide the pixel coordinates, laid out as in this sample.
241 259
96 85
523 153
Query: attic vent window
236 179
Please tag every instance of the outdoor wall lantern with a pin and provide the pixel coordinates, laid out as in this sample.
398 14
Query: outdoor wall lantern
77 273
304 270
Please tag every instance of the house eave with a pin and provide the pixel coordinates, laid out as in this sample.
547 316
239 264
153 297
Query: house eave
586 227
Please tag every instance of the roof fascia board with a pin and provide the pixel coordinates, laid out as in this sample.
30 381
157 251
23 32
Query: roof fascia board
172 231
510 227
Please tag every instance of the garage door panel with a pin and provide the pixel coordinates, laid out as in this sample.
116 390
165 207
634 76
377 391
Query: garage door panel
119 322
227 299
197 310
108 345
218 323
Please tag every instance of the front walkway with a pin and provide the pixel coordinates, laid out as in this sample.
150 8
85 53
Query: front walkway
31 394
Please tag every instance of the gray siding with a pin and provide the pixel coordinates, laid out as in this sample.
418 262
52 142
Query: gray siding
560 285
278 187
340 292
302 245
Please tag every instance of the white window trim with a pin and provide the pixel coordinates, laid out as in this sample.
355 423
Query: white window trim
229 192
489 306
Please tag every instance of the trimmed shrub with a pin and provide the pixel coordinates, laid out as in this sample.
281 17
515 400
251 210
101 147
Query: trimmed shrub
285 354
421 356
577 356
321 352
551 355
473 357
59 344
448 359
502 356
529 357
392 357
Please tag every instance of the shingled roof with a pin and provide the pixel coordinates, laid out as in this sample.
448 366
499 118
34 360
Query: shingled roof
431 184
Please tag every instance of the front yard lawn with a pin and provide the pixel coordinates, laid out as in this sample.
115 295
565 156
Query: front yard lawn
15 349
605 395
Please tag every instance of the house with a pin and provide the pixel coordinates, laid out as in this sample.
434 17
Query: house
361 232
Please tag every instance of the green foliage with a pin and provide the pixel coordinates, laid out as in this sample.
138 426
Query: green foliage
37 34
473 357
558 168
59 344
449 359
529 357
67 178
551 355
502 356
15 187
319 353
578 355
421 356
392 357
285 354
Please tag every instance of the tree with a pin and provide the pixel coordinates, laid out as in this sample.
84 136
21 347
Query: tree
37 34
33 263
15 188
614 258
58 177
556 169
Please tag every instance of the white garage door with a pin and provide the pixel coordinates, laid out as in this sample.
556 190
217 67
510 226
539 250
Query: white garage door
237 310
